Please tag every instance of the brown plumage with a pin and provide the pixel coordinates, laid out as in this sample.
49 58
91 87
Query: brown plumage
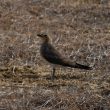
50 54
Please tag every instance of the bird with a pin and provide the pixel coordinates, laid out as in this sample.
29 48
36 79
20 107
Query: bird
50 54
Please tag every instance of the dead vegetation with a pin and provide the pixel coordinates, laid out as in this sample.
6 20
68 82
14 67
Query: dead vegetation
79 30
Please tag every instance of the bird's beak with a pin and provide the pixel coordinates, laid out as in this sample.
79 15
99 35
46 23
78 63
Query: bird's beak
39 35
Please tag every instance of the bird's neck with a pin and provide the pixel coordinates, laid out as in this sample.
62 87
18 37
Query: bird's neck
46 40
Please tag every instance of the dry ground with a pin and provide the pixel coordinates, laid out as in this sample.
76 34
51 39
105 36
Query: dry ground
79 29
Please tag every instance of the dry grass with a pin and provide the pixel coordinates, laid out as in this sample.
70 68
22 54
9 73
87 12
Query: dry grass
79 30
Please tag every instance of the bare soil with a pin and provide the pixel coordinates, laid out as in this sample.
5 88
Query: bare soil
79 30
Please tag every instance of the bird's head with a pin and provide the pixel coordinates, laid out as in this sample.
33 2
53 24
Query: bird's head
44 37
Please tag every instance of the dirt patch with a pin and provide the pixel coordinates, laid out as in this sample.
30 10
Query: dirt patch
79 30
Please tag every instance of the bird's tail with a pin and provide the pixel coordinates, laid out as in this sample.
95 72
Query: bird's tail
77 65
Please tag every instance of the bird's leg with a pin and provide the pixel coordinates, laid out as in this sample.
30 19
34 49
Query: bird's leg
53 73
